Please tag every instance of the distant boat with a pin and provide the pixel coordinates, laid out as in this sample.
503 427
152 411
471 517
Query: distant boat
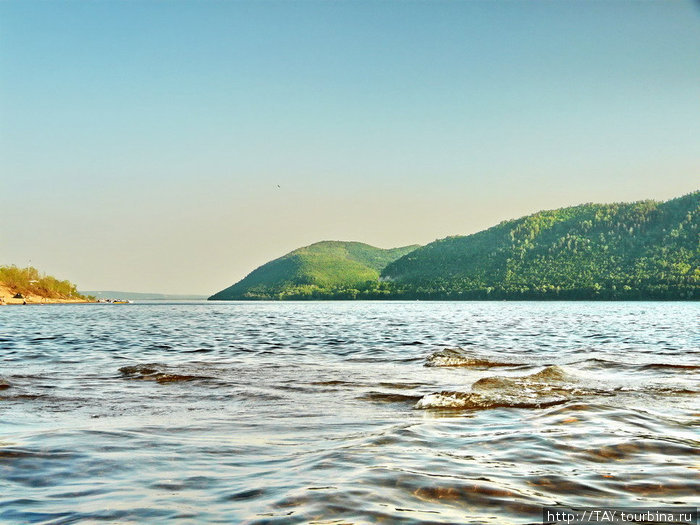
121 301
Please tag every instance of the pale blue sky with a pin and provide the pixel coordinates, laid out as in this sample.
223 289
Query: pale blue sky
141 143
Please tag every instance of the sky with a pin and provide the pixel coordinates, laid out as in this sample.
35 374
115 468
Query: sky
173 147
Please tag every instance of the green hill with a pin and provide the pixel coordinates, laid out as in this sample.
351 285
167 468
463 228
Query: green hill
328 269
641 250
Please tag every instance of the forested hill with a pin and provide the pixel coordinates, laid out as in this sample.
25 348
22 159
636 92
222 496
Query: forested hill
328 269
640 250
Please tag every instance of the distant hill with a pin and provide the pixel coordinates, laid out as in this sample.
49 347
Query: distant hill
640 250
142 296
328 269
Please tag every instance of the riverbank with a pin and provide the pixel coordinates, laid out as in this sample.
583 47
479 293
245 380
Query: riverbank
29 298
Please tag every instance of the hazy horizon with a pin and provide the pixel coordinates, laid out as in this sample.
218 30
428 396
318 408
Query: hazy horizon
174 147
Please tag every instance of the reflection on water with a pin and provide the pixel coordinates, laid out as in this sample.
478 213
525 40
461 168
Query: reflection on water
345 412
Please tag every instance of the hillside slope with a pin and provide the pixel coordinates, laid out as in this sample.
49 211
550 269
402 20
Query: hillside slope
322 270
35 287
641 250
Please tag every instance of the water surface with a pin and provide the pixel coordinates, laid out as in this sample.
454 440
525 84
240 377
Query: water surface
333 412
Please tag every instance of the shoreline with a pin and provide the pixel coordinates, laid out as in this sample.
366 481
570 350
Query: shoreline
6 295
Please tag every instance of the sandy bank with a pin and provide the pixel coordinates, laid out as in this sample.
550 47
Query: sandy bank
8 294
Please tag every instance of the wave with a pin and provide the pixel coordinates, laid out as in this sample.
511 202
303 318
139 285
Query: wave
605 364
661 366
28 396
548 387
390 397
156 372
334 382
459 357
598 362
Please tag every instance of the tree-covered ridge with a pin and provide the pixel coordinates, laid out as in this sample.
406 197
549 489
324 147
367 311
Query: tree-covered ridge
640 250
636 250
328 269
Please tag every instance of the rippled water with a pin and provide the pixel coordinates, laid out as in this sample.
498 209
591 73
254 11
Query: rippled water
339 412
